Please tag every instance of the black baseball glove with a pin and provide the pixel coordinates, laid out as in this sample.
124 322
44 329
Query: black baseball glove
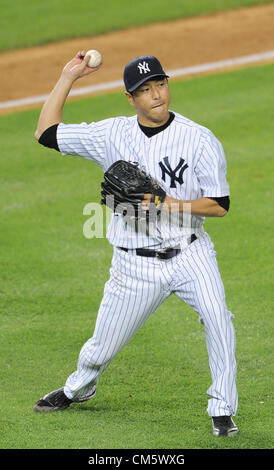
124 188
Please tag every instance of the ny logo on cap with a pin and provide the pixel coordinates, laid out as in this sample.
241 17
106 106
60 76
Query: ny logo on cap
143 67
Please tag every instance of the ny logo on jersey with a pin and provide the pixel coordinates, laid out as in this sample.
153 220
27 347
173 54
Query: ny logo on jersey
143 67
166 169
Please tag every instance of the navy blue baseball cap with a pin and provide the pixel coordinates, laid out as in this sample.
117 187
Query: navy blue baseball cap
141 69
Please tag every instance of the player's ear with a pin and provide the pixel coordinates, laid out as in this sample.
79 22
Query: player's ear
130 98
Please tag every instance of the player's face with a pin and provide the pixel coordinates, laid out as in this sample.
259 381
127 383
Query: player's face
151 101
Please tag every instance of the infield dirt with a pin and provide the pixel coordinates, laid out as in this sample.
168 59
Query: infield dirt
181 43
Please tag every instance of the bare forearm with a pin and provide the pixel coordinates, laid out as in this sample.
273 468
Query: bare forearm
52 109
203 206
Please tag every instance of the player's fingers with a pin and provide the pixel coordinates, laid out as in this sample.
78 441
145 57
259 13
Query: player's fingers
86 59
79 55
146 201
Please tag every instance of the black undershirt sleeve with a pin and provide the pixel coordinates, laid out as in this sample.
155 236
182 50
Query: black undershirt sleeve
49 138
222 201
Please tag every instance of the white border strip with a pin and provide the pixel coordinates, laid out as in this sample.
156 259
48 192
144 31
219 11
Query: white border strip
173 73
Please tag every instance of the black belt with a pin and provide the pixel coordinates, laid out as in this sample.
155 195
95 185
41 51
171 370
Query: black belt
164 254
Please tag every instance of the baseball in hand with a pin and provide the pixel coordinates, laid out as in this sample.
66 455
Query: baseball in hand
95 58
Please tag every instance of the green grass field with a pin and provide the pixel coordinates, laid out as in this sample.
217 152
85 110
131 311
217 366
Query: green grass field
28 23
153 395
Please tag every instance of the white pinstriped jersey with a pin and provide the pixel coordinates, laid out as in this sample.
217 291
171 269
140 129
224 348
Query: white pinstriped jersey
186 160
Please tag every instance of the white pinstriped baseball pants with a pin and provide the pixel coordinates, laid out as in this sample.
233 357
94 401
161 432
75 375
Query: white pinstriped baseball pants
136 288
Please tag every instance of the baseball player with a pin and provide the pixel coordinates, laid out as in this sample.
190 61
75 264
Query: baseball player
187 161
